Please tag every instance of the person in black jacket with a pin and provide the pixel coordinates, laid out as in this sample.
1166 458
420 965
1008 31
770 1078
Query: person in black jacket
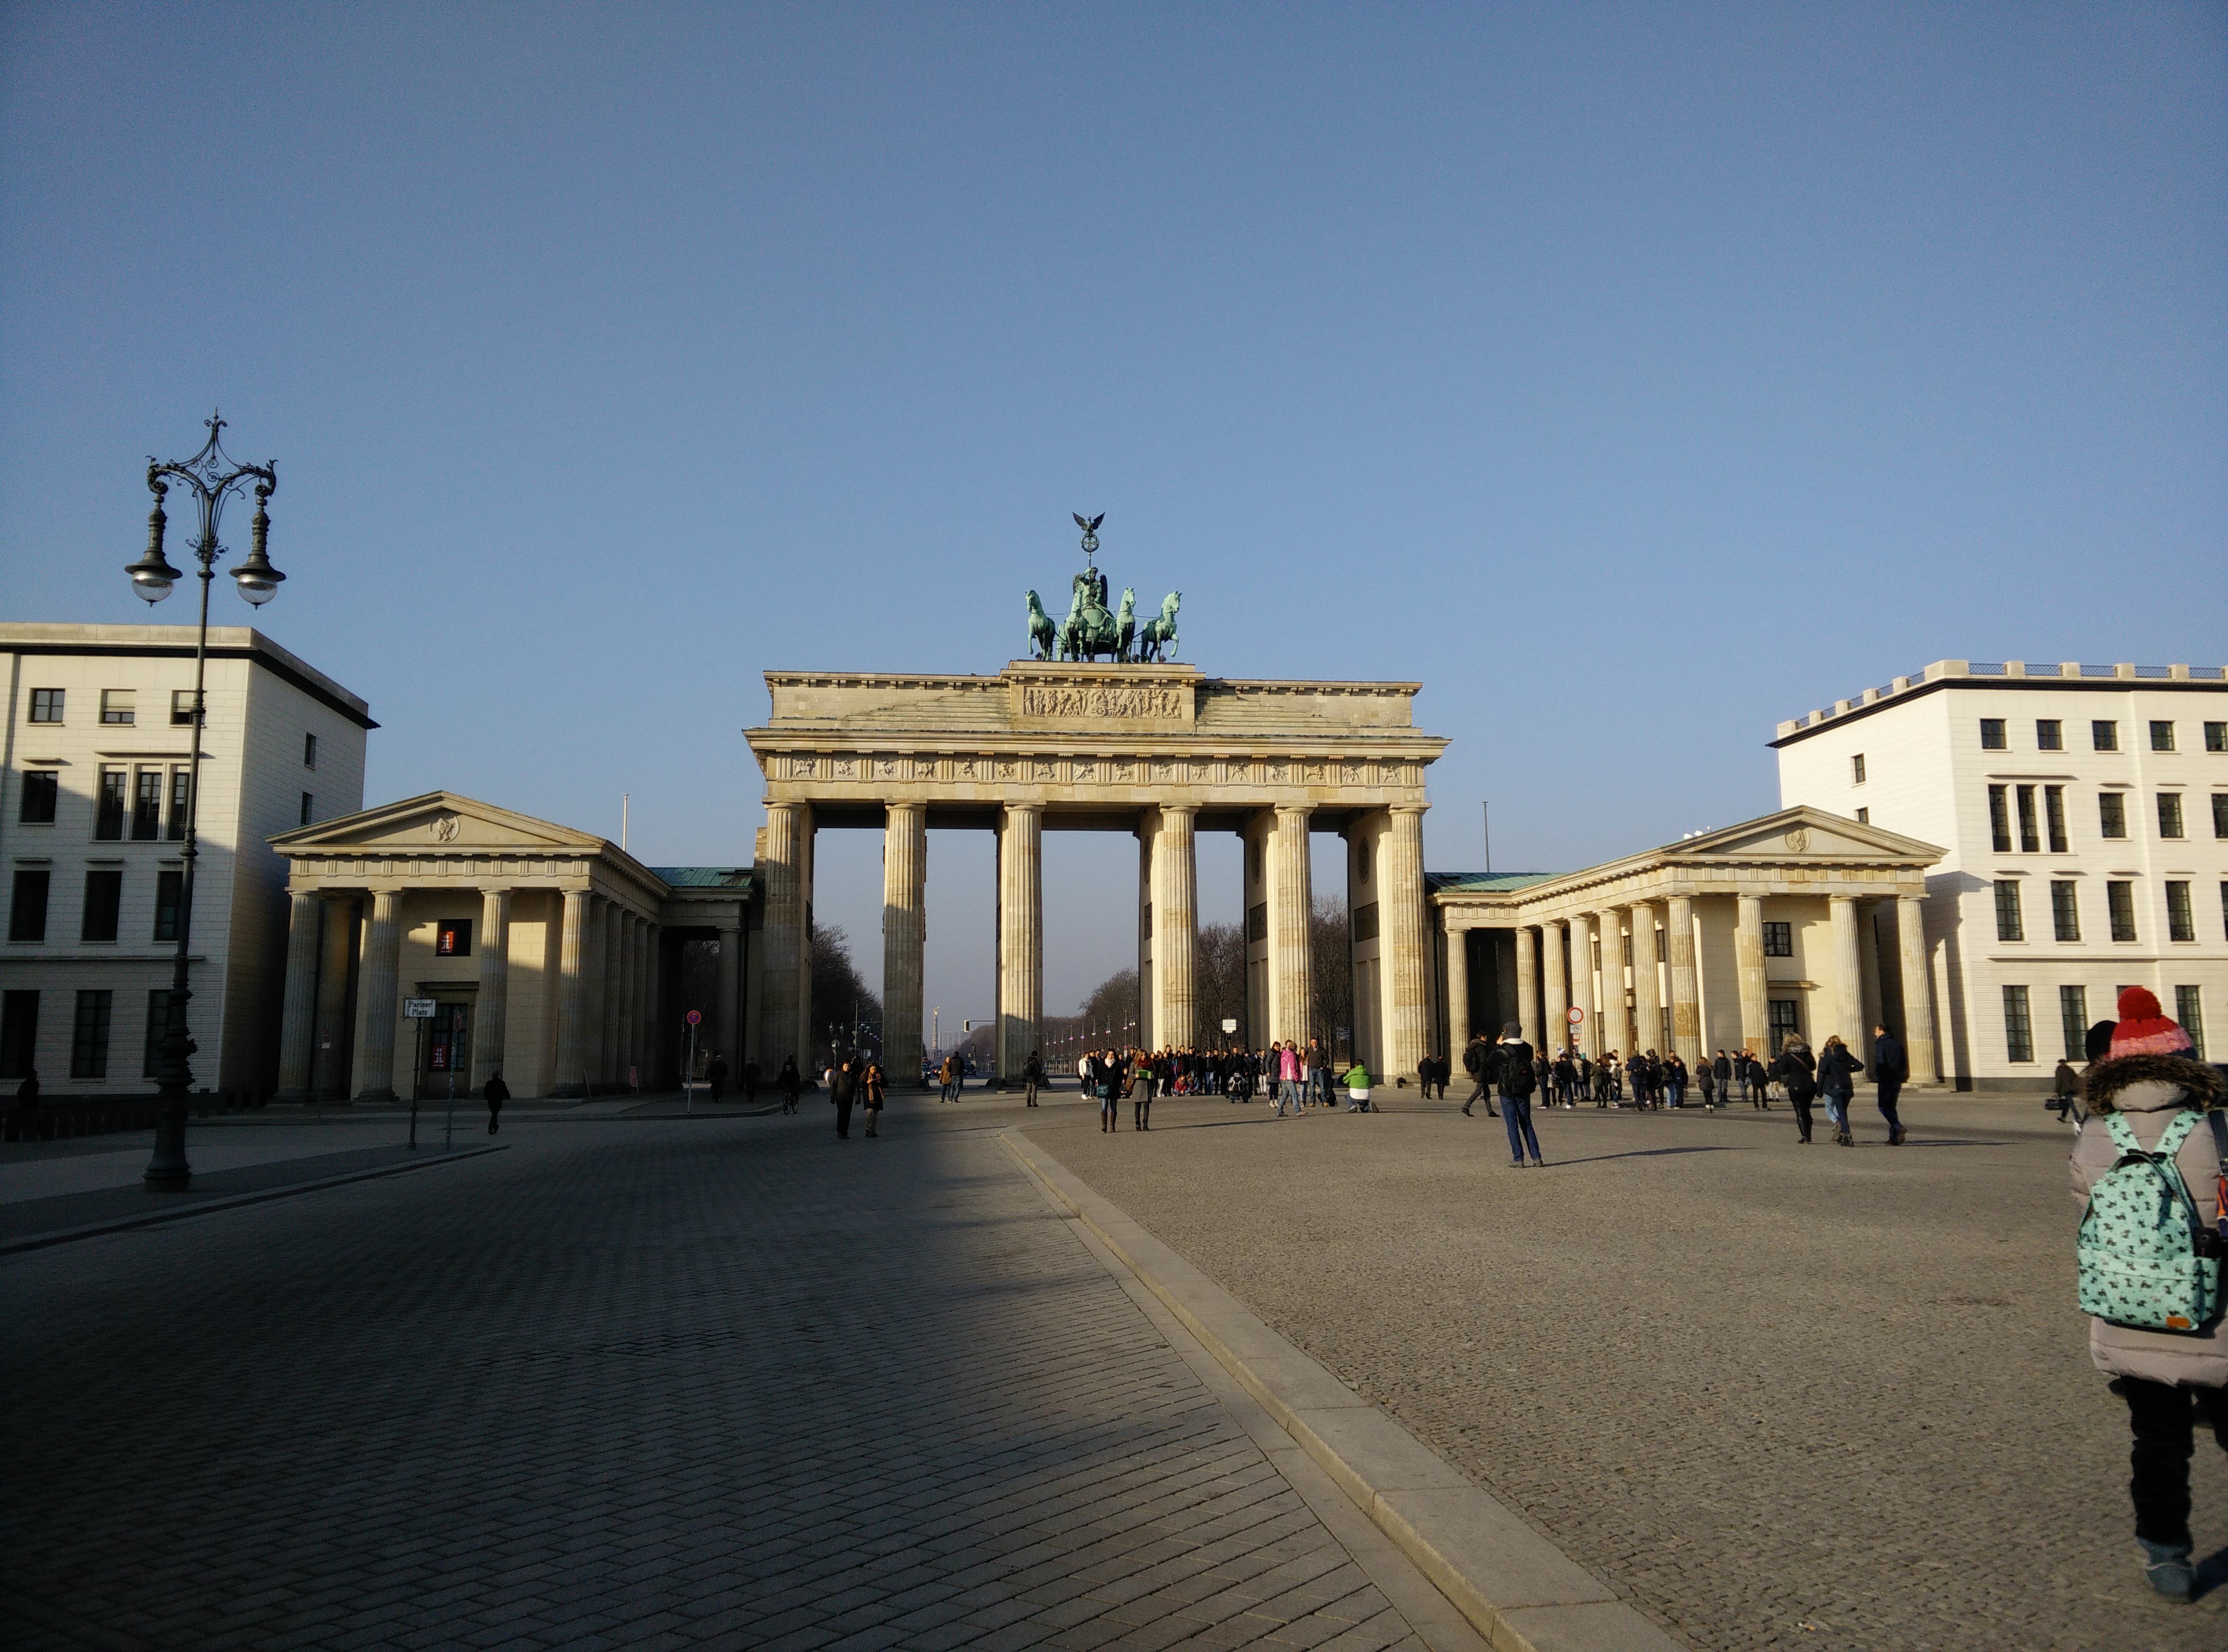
1797 1069
496 1093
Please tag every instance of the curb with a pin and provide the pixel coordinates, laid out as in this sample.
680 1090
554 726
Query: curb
1520 1591
261 1195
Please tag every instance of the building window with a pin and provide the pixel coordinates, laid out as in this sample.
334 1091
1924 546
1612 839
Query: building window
1786 1021
42 786
2049 734
2169 812
2018 1031
2189 1010
2073 1022
89 1038
2216 737
1864 816
2112 814
2008 926
1779 940
103 898
1992 734
116 706
309 751
2162 736
45 708
182 796
2000 818
19 1034
452 938
27 910
169 900
308 807
1857 769
2120 903
2105 736
147 806
2181 921
158 1024
182 707
2030 838
2065 911
108 818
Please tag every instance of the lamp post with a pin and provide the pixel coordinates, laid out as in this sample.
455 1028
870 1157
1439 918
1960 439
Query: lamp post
213 476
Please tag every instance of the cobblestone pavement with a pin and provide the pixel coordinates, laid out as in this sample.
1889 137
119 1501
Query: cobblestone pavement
681 1383
1778 1396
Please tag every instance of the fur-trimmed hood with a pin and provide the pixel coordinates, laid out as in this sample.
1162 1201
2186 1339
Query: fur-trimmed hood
2199 1084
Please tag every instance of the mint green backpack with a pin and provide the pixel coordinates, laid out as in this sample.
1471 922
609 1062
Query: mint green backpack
2147 1262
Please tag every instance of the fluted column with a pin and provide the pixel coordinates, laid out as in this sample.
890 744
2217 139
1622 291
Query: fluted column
1582 982
1748 961
489 1030
782 868
382 963
1919 1045
1647 988
1555 984
1528 987
571 1076
1021 935
298 1037
1176 928
1686 984
1401 889
905 938
1457 992
1291 977
1848 994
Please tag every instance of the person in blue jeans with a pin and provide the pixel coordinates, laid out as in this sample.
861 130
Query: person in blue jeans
1516 1082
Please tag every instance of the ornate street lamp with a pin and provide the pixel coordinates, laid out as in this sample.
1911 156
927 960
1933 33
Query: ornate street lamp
213 476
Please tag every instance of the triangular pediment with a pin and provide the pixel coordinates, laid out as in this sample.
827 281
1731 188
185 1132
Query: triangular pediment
435 824
1803 834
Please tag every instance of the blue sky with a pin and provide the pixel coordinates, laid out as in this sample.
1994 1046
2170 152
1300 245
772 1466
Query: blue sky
1633 377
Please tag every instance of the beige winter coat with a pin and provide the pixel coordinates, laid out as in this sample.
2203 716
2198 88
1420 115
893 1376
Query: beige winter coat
2150 1090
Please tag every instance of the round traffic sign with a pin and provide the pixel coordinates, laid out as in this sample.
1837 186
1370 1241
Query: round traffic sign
695 1018
1576 1016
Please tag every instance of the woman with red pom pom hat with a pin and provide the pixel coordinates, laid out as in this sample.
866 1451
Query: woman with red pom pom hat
2150 1082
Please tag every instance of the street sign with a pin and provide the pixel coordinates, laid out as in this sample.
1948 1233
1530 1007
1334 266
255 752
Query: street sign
695 1018
417 1009
1576 1016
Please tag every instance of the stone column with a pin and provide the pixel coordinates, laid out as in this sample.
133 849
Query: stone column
905 938
1176 928
571 1077
1918 1041
1647 989
1457 992
1748 960
382 963
1848 994
1557 986
782 869
298 1037
1686 985
1528 987
1021 935
1400 888
1582 982
494 1007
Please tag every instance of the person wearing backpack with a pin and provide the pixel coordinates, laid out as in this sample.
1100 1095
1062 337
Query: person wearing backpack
2151 1172
1516 1084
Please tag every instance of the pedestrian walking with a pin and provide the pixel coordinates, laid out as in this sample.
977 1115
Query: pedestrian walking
874 1089
1516 1085
1033 1072
1891 1071
496 1093
790 1083
2152 1184
843 1091
717 1073
1838 1067
1797 1069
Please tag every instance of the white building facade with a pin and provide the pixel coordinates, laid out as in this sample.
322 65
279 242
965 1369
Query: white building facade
93 788
2083 813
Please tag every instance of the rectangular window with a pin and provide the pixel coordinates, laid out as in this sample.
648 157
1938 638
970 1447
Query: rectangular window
1857 769
2018 1031
2049 734
19 1034
1786 1021
2216 737
2221 814
2105 736
2030 838
2073 1022
1864 816
89 1038
2169 812
158 1025
2189 1010
1779 940
116 706
45 708
2120 903
308 807
2181 921
1992 734
182 707
182 796
103 898
2000 818
2162 736
42 786
2053 817
108 818
2065 910
169 900
27 911
2112 814
2008 926
309 751
147 806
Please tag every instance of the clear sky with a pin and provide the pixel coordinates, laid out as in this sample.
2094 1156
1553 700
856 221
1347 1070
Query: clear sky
1633 377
